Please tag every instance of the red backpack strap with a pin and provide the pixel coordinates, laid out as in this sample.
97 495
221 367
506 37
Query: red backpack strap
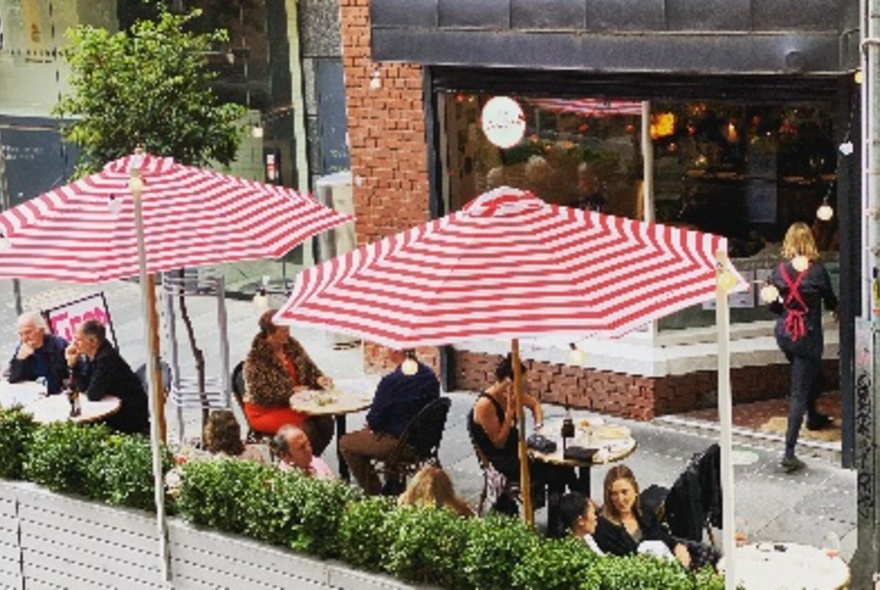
795 317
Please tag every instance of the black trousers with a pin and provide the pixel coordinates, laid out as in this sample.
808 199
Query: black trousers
806 386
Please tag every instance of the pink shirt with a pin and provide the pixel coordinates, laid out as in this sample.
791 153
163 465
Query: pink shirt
317 468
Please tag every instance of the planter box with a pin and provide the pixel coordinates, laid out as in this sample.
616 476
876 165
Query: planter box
52 541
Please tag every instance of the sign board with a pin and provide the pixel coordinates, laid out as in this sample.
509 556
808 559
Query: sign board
64 319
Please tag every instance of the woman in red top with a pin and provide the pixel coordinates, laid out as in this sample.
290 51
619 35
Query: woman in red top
276 367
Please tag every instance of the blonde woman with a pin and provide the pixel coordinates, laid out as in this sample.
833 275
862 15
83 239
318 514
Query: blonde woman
431 486
624 528
798 288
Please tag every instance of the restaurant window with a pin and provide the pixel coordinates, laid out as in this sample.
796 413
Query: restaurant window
744 171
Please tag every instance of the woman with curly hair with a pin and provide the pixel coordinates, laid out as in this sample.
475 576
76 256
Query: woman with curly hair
222 436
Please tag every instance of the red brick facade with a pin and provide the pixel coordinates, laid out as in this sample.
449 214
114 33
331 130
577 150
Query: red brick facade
632 396
386 126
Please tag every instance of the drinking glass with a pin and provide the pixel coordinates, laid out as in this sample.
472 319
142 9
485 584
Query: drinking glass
741 531
831 544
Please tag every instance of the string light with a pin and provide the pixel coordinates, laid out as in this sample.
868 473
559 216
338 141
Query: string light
410 366
578 355
5 244
261 300
825 212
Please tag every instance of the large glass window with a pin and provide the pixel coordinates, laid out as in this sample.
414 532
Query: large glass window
744 171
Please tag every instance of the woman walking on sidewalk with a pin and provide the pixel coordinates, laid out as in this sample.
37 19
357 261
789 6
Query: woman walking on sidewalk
797 289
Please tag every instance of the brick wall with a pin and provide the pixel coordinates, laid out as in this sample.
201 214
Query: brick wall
632 396
386 132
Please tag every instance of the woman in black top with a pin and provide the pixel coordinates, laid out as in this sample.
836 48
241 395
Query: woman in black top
491 422
798 288
623 525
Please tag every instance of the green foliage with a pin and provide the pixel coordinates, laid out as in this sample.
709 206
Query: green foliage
366 530
122 472
495 544
638 572
428 547
221 493
60 454
555 564
322 509
17 429
149 86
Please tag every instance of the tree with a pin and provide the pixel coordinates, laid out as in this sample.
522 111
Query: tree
149 86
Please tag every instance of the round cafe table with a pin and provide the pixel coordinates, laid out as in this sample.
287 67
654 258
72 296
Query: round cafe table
56 408
612 442
778 566
333 402
21 394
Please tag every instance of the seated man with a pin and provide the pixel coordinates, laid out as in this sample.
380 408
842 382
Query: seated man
39 355
98 370
292 446
399 397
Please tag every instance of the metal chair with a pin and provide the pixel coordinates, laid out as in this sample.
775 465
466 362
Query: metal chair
419 445
495 481
239 390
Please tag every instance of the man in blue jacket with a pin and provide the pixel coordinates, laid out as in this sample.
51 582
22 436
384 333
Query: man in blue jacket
38 355
401 395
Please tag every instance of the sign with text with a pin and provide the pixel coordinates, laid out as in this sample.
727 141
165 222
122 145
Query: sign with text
64 319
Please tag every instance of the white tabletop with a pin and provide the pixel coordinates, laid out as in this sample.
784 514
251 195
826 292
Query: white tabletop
762 566
612 441
56 408
21 394
330 402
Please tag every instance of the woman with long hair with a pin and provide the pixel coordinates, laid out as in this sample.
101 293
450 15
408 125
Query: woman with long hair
797 289
623 526
431 486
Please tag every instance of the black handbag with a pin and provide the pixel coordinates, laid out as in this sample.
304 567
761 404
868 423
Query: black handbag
581 454
540 443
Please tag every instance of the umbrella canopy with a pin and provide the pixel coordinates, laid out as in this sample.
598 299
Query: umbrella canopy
508 265
85 232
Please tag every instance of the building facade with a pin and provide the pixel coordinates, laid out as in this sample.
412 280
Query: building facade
724 116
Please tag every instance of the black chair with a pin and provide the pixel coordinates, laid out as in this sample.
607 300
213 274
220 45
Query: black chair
239 390
165 371
694 501
419 445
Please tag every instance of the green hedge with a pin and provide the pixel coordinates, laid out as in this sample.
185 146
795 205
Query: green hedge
325 518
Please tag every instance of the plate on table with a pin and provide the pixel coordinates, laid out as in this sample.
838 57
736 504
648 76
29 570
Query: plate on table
611 432
588 424
315 396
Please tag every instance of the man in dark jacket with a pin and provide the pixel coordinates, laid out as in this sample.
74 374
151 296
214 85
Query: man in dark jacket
39 354
98 371
400 395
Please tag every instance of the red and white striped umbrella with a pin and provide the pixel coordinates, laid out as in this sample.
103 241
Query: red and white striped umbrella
508 265
85 231
588 107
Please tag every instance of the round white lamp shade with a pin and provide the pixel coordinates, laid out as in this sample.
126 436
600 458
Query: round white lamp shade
503 121
825 212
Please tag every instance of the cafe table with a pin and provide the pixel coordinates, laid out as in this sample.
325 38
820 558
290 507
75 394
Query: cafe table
612 442
337 402
21 394
56 408
781 566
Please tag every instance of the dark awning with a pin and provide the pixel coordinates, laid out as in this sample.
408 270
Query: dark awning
682 36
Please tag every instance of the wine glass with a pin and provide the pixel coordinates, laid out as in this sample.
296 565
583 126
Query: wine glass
741 531
831 544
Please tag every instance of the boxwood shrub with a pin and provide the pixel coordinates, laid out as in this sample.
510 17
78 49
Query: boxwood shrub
16 431
367 529
494 545
121 473
59 456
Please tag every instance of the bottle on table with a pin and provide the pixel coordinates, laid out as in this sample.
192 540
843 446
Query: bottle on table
73 398
567 425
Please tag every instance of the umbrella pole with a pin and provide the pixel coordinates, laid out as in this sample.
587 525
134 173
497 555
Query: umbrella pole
148 298
725 417
524 474
159 391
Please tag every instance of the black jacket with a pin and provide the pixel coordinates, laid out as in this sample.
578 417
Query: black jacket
695 497
614 538
109 374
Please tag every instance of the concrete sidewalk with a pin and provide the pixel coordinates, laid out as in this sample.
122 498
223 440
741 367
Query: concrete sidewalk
799 508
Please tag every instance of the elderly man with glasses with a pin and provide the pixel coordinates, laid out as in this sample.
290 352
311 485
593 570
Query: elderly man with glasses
39 355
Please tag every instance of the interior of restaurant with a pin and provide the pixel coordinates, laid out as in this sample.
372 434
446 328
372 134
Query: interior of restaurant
744 171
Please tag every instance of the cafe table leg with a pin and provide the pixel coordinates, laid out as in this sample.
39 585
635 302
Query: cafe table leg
582 481
340 432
